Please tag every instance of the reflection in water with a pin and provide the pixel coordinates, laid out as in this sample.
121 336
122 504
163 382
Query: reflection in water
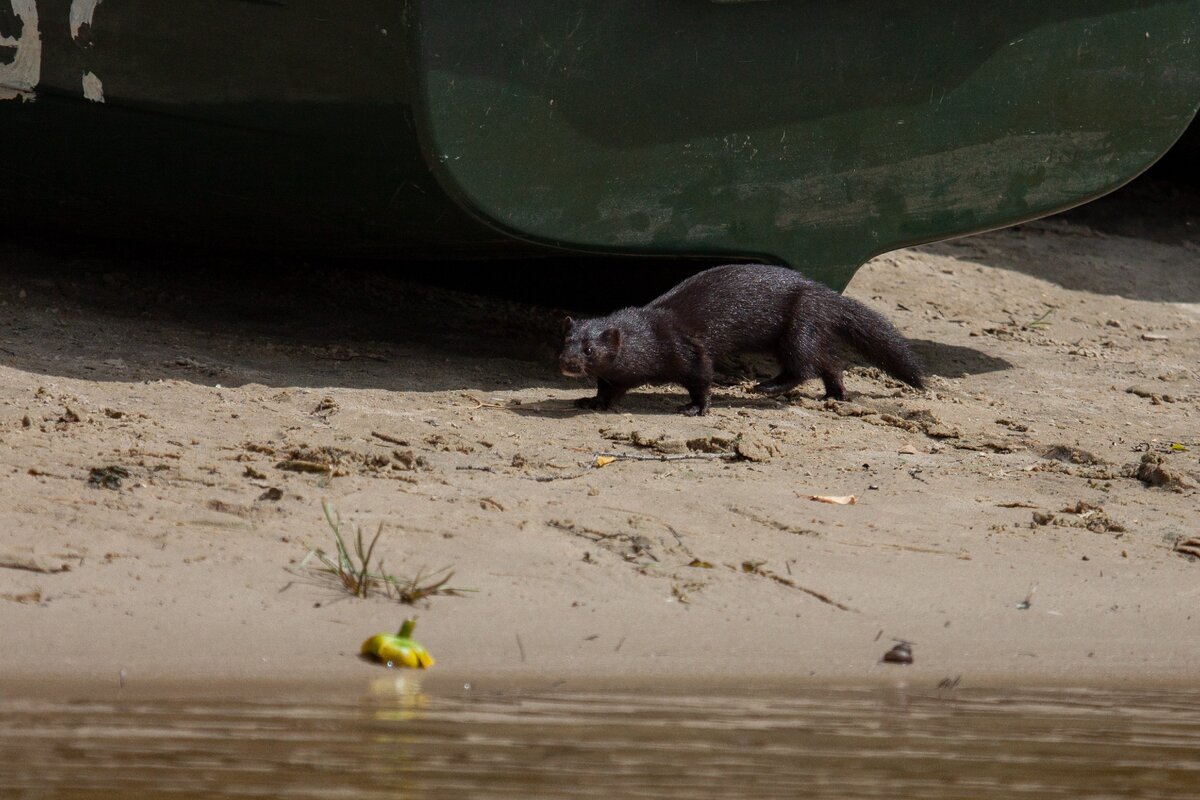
398 742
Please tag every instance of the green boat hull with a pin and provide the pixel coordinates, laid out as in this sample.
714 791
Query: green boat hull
807 133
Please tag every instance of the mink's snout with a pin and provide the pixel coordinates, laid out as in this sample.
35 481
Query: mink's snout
571 366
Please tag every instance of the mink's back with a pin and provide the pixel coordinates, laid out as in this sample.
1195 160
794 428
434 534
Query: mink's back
735 307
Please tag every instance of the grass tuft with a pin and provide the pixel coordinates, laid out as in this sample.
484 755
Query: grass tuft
422 587
353 571
360 573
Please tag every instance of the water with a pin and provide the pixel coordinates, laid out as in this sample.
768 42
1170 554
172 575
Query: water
397 741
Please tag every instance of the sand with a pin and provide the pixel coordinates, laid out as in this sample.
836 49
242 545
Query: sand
999 525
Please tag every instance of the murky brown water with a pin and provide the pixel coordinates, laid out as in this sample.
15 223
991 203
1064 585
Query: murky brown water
400 742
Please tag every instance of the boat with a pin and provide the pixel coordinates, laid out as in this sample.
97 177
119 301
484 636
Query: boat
799 132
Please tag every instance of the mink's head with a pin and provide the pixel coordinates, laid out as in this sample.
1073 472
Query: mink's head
590 347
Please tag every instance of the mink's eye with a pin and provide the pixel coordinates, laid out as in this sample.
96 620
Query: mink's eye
587 351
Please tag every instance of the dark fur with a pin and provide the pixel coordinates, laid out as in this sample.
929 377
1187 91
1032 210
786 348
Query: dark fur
738 308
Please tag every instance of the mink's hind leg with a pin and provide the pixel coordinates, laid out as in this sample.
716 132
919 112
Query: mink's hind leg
803 351
832 376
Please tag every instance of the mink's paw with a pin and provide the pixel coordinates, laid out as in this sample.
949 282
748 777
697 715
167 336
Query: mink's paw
693 410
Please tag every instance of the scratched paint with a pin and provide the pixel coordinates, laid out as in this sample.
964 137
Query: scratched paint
19 77
81 14
93 89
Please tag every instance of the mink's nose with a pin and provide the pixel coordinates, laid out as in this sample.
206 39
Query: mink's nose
570 367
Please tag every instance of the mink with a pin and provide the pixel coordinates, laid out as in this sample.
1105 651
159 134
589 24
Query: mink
725 311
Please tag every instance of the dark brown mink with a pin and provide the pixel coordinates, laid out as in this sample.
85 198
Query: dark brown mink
724 311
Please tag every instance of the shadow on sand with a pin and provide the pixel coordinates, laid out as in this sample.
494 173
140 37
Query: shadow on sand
112 314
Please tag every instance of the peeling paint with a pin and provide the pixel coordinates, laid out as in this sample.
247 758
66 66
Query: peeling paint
93 89
19 77
81 14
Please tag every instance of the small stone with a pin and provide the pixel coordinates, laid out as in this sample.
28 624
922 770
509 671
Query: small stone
941 431
900 654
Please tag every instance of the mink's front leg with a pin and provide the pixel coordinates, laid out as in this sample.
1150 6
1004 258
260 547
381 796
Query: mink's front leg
699 396
698 383
608 394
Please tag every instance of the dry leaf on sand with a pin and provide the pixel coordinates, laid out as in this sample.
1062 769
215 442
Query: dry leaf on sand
848 500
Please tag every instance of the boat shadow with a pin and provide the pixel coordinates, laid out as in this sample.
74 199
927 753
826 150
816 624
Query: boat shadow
107 313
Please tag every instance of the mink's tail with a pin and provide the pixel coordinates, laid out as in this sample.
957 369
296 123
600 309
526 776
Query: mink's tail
878 341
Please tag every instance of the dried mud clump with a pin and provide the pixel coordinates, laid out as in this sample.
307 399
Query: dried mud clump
1153 470
336 462
756 448
1152 394
746 446
1081 515
1071 455
919 421
656 441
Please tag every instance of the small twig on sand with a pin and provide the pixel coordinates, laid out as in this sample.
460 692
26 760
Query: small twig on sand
571 477
581 531
520 647
480 404
756 569
389 439
771 523
813 593
645 457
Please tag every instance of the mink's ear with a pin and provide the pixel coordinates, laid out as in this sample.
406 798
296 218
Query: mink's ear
567 324
611 338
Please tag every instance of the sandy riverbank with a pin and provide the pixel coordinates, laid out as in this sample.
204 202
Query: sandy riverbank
1060 356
